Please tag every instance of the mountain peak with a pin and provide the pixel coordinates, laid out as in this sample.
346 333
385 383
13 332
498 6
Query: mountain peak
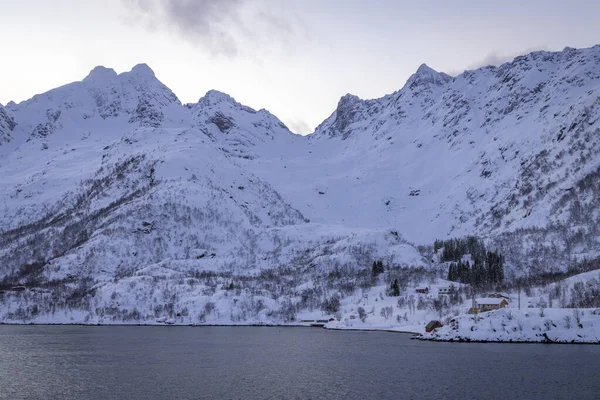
348 98
217 96
101 72
427 75
143 70
425 69
214 97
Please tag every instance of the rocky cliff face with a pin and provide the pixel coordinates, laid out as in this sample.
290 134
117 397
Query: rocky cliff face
7 125
495 149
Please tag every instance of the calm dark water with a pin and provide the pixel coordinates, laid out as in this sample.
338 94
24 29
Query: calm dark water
62 362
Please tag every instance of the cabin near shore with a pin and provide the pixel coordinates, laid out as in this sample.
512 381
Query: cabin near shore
433 325
491 303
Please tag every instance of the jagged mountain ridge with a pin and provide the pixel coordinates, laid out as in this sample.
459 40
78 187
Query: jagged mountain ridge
112 176
119 183
488 151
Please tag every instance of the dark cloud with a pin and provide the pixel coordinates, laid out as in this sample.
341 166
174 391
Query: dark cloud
223 27
497 58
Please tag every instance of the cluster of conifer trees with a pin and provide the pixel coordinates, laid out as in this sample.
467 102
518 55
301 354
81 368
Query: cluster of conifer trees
485 268
377 268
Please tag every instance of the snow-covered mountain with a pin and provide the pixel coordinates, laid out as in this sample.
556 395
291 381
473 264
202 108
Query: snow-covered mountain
116 193
491 150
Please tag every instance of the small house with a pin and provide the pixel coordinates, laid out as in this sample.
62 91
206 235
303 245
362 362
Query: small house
446 289
491 303
423 290
433 325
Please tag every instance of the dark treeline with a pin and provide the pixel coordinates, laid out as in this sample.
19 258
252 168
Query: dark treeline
485 269
546 278
455 249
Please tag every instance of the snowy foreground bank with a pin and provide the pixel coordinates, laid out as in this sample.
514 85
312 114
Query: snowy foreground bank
558 325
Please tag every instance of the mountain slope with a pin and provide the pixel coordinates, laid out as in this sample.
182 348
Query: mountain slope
111 181
117 198
489 151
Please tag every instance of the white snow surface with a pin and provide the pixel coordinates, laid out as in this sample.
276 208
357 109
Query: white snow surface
112 181
509 325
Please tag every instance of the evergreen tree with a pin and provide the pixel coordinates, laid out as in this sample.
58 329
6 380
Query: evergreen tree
377 268
395 289
487 266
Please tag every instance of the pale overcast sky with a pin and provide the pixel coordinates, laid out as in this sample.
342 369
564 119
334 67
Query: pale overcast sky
295 58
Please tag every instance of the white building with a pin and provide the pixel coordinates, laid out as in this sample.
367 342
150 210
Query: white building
446 289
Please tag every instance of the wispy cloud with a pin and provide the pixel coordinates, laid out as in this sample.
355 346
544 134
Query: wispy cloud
222 27
497 58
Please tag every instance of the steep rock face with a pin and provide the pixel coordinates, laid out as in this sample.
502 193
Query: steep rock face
137 93
136 96
237 128
425 76
354 115
490 150
7 125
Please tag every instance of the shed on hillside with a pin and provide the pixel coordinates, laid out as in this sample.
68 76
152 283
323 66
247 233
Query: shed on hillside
433 325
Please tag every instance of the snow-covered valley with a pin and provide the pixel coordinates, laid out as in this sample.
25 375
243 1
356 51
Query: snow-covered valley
122 205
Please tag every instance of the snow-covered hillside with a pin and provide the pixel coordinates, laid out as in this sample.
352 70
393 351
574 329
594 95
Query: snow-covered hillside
495 149
116 197
546 326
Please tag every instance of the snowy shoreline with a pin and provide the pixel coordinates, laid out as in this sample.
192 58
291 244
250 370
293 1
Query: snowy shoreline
559 325
206 325
467 340
414 335
153 324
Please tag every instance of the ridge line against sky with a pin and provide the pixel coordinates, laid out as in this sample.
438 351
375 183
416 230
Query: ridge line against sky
294 58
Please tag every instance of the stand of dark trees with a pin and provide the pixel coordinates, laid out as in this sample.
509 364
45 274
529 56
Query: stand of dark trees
546 278
486 268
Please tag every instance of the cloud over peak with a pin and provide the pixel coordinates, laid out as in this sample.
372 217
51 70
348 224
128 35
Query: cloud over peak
221 27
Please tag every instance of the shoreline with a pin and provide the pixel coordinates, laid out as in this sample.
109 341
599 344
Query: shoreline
461 340
208 325
415 335
373 330
155 325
